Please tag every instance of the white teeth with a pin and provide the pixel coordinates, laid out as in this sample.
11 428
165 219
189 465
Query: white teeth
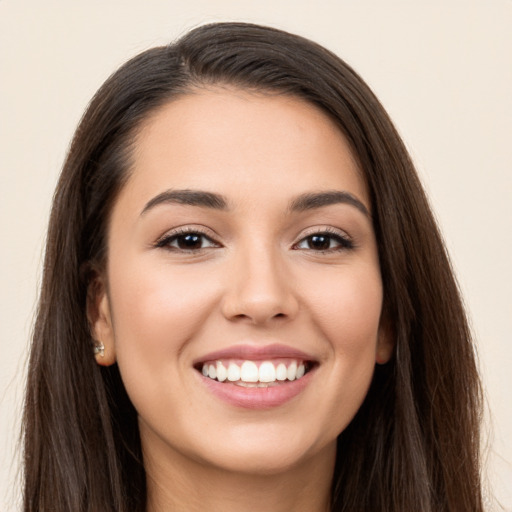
281 372
291 372
233 372
267 372
222 373
249 373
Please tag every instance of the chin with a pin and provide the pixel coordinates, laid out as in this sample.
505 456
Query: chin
253 452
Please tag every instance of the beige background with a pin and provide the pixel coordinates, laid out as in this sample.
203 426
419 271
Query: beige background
443 69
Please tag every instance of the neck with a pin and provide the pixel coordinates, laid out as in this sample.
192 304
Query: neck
178 483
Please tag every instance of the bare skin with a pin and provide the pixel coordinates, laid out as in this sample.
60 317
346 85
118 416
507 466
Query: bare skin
305 488
244 226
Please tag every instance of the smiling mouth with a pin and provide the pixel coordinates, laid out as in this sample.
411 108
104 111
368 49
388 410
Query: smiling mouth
255 374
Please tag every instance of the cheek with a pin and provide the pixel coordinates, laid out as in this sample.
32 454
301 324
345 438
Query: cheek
157 309
347 305
349 317
346 309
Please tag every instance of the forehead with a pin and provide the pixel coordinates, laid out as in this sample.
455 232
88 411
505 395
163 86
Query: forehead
227 140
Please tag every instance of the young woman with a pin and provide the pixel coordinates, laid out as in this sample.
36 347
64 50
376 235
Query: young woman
246 302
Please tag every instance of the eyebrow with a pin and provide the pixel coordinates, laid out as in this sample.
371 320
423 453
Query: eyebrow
311 201
188 197
304 202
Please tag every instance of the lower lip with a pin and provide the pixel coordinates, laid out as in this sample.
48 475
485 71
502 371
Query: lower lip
257 398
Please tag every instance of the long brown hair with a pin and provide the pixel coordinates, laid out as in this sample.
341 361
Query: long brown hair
414 443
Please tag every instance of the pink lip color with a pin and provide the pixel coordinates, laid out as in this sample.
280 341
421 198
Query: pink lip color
255 353
257 398
254 397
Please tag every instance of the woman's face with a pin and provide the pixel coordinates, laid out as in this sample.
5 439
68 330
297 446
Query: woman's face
241 255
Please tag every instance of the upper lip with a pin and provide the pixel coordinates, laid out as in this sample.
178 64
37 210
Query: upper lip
256 353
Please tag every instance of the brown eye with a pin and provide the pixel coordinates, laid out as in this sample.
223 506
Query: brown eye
319 242
323 242
188 241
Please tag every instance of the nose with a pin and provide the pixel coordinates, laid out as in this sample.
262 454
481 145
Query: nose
259 289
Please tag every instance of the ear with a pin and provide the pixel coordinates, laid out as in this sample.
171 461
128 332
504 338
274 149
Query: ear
100 321
385 341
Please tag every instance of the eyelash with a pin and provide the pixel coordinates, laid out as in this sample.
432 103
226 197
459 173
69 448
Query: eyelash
344 242
168 239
